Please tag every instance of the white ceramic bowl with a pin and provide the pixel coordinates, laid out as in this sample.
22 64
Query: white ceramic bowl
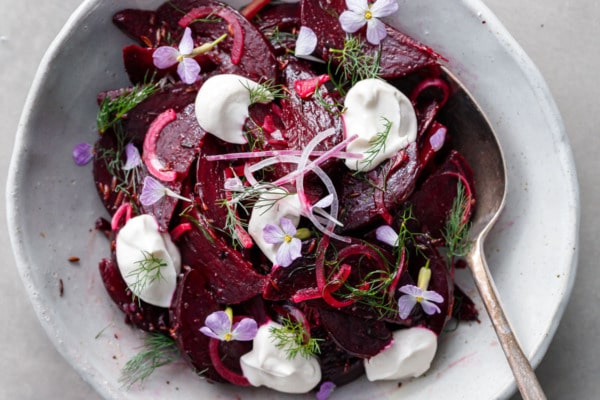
52 206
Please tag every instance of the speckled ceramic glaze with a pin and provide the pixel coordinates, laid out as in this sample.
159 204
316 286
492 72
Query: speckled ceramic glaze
532 251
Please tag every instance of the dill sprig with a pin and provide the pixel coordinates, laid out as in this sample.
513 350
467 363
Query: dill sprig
377 143
354 63
157 350
456 232
260 197
149 270
294 339
112 110
265 92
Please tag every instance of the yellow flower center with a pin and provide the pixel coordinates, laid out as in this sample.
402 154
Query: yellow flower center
287 238
419 299
227 337
368 15
180 58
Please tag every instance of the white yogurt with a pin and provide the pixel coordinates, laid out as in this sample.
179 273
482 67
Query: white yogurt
409 356
267 365
222 106
371 104
138 240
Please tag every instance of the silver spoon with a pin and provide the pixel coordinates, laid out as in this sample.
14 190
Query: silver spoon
477 141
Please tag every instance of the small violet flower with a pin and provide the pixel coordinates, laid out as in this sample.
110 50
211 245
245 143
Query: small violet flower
219 325
165 57
306 42
284 235
419 294
387 235
361 12
325 390
153 191
132 157
83 153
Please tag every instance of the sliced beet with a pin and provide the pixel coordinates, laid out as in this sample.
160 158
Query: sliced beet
192 303
177 97
338 366
400 54
364 201
138 313
140 25
179 142
359 337
432 202
230 276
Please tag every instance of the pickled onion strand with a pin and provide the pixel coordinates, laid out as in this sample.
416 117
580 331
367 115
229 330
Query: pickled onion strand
333 152
149 155
124 209
469 193
275 153
237 48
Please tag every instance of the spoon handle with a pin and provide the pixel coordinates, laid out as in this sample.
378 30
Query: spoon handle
525 377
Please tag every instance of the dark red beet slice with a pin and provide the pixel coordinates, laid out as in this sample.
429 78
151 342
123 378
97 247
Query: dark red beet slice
359 337
179 142
210 181
138 313
432 202
305 118
230 276
464 307
338 366
106 183
140 25
400 54
192 303
442 283
177 97
363 202
139 64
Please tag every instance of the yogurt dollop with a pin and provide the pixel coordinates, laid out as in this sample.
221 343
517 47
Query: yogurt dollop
267 365
271 207
137 242
371 105
222 106
409 356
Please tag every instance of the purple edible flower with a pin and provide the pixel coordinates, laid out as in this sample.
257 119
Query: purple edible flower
289 246
360 12
325 390
306 42
83 153
133 158
154 190
413 295
166 56
219 325
387 235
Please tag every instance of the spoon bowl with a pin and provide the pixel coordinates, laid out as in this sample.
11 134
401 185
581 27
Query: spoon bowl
478 143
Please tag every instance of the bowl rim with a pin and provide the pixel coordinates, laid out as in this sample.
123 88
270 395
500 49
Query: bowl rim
542 92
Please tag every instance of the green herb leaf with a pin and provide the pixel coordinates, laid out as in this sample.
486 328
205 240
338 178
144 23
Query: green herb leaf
354 63
149 271
112 110
456 232
157 350
293 338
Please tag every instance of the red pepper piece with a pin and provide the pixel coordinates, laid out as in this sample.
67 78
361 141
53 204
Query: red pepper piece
306 87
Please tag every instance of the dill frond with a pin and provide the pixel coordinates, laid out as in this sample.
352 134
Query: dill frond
149 270
456 232
293 338
377 143
157 350
113 110
354 63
